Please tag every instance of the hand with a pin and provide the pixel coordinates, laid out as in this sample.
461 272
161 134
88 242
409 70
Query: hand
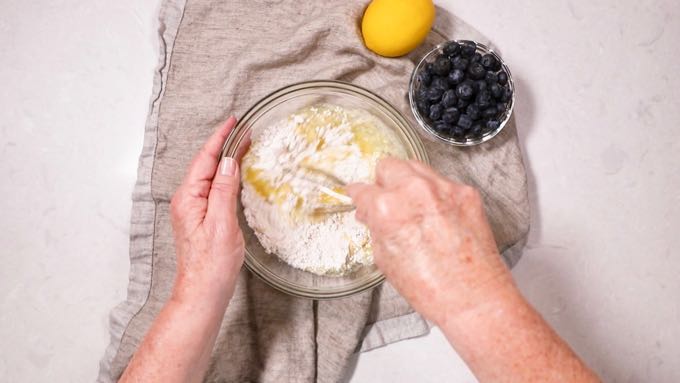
432 241
430 238
209 246
208 239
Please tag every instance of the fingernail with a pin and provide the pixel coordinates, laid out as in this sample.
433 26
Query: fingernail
228 166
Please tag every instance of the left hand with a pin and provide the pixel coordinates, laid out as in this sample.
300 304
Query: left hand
208 240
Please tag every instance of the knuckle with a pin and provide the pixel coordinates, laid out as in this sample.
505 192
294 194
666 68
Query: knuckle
360 213
383 205
419 186
470 194
226 186
448 188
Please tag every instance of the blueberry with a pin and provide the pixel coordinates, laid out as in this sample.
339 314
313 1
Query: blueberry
480 85
496 91
451 49
473 111
457 132
428 68
492 125
442 66
440 83
465 90
450 115
507 95
490 112
449 98
476 58
468 48
502 78
491 77
441 127
425 78
421 93
490 62
462 104
476 71
423 107
436 111
464 121
483 99
434 94
456 77
476 130
460 63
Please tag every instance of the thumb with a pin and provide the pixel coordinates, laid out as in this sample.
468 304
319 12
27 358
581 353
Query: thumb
363 196
224 191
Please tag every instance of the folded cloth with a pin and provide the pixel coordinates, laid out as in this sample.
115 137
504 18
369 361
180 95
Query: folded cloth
218 58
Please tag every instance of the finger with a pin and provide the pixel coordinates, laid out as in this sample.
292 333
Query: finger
363 196
427 172
243 148
187 212
445 185
204 164
224 192
393 171
377 208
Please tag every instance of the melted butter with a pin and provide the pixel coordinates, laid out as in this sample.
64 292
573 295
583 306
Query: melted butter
367 136
281 194
276 194
369 140
259 184
315 118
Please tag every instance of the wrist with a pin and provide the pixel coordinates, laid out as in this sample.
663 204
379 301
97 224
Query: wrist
201 292
500 302
464 305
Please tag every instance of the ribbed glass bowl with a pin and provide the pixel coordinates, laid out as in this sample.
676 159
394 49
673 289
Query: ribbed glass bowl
279 105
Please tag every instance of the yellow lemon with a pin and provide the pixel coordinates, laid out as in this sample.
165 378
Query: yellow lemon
393 28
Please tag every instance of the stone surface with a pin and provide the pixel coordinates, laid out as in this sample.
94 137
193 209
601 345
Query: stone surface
596 110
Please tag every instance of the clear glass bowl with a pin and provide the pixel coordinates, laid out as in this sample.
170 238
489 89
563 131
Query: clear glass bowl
414 84
279 105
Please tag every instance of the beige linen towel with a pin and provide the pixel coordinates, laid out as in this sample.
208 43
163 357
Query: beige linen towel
218 58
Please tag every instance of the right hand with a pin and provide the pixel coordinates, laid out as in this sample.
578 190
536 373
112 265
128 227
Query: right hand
431 239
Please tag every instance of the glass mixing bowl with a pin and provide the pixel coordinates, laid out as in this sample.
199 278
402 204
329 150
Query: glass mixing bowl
279 105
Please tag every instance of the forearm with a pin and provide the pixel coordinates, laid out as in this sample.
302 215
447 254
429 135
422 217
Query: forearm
506 340
179 344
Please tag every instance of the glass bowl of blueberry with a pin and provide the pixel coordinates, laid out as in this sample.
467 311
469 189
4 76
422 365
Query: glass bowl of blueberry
462 93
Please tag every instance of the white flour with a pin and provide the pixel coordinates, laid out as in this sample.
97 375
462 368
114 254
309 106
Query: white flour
278 195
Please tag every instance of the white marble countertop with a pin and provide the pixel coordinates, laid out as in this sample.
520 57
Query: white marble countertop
598 93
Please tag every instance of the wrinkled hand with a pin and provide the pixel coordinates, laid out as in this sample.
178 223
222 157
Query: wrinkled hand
208 240
430 238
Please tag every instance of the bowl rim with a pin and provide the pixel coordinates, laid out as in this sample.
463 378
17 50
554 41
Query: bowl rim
238 134
482 48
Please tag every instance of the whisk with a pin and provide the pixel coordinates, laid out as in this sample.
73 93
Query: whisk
330 179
